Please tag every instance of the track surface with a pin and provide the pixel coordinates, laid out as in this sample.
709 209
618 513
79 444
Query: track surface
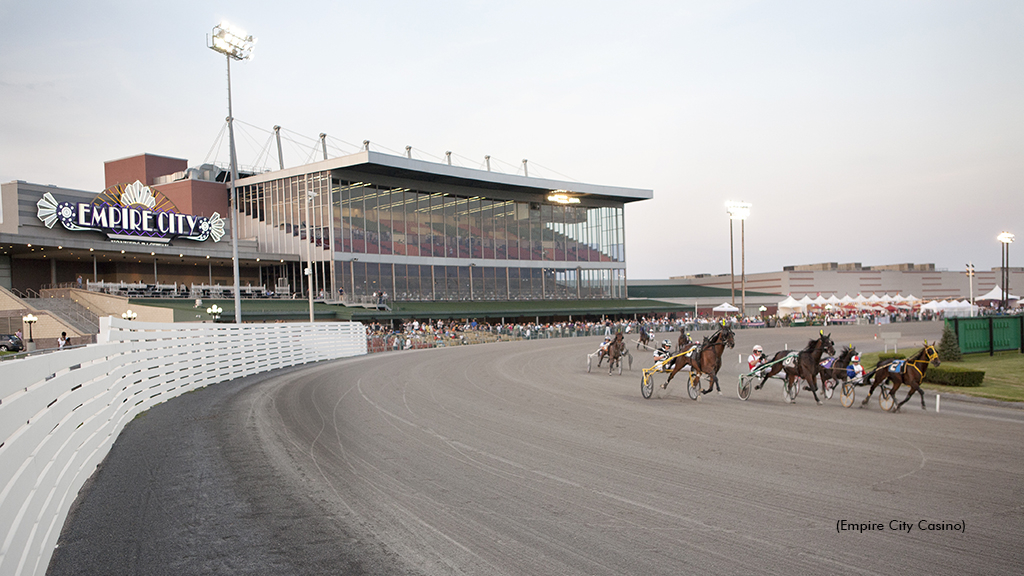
511 459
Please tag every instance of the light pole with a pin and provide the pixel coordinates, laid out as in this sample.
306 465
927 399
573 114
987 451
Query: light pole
235 45
970 279
310 194
215 311
30 319
129 315
738 211
1006 238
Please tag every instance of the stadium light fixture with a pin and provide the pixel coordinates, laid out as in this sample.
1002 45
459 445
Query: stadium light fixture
235 45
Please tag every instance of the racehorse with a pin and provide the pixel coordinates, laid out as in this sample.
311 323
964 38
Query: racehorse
707 359
805 365
684 341
616 350
644 339
834 369
910 372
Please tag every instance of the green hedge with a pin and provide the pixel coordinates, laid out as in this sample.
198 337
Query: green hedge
954 376
891 356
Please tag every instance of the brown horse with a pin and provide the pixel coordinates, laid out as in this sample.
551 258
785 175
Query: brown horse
616 350
644 339
910 372
706 359
805 365
684 341
835 371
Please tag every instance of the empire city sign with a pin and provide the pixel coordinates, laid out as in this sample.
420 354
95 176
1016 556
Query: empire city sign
131 212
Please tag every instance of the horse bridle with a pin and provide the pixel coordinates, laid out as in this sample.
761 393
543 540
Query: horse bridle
929 351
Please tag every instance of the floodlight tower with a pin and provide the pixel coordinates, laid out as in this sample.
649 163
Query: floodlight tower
234 45
738 211
1006 238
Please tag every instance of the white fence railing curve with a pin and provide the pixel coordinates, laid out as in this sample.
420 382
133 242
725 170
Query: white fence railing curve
60 413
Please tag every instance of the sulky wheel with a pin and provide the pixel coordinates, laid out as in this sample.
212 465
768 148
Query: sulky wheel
693 386
647 385
847 394
829 387
886 400
743 388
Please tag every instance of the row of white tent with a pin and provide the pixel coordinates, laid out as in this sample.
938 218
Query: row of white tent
860 302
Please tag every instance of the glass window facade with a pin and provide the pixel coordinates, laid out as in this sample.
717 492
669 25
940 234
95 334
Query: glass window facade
417 245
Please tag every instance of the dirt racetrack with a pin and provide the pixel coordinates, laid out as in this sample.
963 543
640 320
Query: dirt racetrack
510 458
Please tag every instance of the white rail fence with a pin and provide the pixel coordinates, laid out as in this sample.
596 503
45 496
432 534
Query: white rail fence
61 412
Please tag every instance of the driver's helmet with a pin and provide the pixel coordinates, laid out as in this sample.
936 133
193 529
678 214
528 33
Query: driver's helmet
666 344
758 349
607 338
856 359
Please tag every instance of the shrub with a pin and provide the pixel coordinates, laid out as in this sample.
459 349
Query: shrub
954 376
949 346
891 356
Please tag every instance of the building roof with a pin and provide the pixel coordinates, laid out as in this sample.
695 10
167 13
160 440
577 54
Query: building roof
376 163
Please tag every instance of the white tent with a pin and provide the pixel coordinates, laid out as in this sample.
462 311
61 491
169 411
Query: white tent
873 299
834 300
996 293
820 301
725 307
959 308
846 299
789 306
806 301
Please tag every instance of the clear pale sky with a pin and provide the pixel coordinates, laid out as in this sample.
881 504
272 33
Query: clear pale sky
873 132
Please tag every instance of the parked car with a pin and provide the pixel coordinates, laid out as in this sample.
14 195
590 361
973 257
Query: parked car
11 342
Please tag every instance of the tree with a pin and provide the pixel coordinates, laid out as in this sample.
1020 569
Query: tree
949 346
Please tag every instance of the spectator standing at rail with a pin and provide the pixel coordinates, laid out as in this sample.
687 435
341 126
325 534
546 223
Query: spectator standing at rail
63 340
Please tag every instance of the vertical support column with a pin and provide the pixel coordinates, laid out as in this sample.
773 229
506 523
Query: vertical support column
743 268
732 265
991 337
280 153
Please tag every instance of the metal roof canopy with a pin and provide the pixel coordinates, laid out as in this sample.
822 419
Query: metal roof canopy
369 162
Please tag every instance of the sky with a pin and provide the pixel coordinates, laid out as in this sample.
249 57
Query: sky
874 132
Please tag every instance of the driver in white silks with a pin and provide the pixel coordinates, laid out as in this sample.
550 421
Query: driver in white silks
756 358
603 348
662 355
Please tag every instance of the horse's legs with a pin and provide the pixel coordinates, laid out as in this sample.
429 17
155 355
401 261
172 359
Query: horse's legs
921 392
680 363
768 374
712 382
814 389
874 384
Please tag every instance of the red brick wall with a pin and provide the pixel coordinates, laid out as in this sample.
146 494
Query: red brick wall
144 168
197 197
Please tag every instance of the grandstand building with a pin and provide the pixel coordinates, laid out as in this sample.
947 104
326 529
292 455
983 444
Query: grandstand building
368 222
